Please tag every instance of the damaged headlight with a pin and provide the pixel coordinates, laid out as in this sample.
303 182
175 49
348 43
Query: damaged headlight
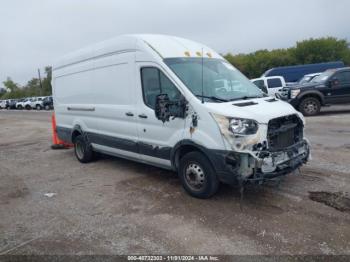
237 126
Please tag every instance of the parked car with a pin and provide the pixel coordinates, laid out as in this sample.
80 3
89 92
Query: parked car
156 103
23 103
294 73
270 85
2 104
11 104
37 103
48 103
329 88
19 103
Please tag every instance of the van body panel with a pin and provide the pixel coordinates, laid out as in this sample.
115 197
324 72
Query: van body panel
114 77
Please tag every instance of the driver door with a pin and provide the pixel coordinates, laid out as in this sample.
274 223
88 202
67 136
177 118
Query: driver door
340 91
156 139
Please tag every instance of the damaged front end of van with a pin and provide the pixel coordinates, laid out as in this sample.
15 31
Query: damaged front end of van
260 151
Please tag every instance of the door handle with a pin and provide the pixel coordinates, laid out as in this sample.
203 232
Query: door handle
142 116
80 108
129 114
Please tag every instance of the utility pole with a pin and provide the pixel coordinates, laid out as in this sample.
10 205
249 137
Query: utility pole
41 85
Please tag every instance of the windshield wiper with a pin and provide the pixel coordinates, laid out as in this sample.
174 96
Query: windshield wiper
245 98
214 98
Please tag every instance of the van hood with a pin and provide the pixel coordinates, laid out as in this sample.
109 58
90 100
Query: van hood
260 109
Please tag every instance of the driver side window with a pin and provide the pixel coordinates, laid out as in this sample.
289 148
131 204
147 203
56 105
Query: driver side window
343 77
154 82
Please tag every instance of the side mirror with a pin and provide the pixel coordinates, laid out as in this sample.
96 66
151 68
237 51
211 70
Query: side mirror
165 108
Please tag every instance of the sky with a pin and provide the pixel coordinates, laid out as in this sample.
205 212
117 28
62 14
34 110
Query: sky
34 33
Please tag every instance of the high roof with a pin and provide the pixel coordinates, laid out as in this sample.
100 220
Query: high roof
172 46
164 45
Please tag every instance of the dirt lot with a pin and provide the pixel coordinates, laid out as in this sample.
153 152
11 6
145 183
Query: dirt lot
115 206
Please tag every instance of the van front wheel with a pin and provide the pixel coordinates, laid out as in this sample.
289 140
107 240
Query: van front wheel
197 175
83 150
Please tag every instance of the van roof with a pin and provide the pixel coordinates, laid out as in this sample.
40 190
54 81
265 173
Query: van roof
165 46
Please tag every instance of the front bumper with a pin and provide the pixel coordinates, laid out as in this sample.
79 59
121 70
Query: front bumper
294 102
260 166
282 163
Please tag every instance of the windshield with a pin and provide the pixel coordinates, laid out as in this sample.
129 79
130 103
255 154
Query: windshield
221 81
305 79
322 77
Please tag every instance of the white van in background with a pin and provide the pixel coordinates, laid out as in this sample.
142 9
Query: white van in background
177 104
273 84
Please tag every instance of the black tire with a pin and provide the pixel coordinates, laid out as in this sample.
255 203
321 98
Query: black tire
20 107
28 107
83 150
197 175
47 107
38 107
310 106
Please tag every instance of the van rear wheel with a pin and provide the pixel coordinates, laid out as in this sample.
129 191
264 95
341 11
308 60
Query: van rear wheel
83 150
197 175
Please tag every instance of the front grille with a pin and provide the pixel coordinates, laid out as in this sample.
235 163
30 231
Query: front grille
284 132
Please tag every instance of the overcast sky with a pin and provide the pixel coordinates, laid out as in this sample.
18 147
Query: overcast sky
33 33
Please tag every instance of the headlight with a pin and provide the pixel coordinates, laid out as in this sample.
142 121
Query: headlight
294 93
236 126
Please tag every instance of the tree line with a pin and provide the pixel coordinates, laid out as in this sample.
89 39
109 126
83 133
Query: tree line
309 51
326 49
32 88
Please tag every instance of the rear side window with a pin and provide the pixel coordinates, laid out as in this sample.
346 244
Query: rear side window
154 82
274 82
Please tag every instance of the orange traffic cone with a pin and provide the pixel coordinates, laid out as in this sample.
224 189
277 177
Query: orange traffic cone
57 143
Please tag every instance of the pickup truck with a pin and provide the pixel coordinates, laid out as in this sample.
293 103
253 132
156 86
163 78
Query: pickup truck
270 85
329 88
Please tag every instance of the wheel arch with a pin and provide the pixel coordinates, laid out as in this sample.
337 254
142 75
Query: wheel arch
316 94
76 131
182 148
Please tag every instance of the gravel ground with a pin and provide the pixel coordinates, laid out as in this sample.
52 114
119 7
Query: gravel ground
115 206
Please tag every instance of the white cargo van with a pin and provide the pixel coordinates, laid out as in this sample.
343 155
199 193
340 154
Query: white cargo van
177 104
